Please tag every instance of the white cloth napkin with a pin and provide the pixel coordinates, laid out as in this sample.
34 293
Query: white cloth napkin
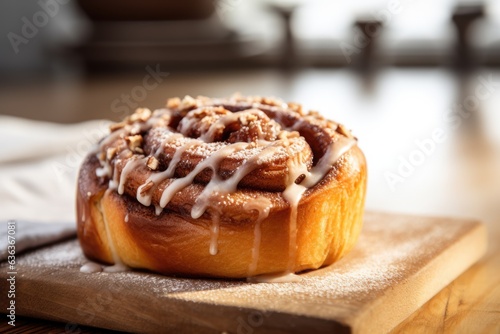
39 164
25 235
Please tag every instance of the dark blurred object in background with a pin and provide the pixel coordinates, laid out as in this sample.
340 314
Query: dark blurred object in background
464 16
131 35
147 10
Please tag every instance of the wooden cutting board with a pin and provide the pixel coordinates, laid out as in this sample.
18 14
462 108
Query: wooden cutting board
399 263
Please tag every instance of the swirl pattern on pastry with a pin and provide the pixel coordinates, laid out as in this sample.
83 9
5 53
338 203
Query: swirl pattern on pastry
239 159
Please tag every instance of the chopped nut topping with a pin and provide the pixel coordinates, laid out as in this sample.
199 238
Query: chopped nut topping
110 153
102 156
134 143
271 101
313 112
188 102
285 135
135 130
173 103
147 187
331 124
252 117
296 107
141 114
343 131
115 126
153 163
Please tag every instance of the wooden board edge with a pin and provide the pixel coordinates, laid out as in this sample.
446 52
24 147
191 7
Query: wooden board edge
398 303
176 316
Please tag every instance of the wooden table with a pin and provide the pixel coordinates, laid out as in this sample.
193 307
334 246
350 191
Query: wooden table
458 178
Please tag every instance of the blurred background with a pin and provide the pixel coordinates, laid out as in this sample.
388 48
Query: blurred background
418 82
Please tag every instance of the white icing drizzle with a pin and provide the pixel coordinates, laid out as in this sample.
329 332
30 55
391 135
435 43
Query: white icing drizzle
215 233
187 123
105 169
333 153
158 209
172 137
129 166
116 268
293 194
211 162
118 265
90 268
113 183
263 206
221 123
220 186
126 218
145 198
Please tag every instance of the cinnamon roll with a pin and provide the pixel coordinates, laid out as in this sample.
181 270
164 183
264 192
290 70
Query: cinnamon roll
235 187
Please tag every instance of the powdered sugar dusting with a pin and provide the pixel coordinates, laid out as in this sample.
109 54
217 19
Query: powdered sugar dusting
386 254
390 250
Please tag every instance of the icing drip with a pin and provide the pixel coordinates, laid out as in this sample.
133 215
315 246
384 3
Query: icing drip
158 210
129 166
170 138
113 183
333 153
90 268
105 169
126 218
210 162
293 194
220 186
145 197
187 124
118 266
215 233
177 157
263 206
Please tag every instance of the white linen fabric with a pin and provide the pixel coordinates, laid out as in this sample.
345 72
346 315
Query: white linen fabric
39 164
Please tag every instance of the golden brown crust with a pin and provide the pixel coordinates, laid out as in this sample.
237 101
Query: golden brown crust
328 223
